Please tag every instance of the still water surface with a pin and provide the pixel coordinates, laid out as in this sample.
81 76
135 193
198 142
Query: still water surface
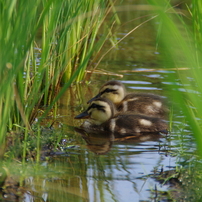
122 171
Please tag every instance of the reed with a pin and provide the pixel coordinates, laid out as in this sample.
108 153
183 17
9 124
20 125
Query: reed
45 44
180 37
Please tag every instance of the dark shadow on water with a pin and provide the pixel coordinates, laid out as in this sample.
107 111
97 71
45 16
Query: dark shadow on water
100 142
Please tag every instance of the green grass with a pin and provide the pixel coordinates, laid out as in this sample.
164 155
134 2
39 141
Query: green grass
46 45
179 37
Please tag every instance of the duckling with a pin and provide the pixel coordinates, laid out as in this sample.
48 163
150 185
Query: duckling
102 116
144 103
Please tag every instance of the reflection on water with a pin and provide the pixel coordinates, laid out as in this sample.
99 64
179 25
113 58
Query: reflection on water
100 142
119 174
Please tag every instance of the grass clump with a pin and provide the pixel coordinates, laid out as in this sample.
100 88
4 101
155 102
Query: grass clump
44 44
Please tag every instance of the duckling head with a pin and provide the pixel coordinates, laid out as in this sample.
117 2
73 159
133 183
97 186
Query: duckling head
112 90
99 111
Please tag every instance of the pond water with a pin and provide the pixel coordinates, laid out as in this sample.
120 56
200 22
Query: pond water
95 169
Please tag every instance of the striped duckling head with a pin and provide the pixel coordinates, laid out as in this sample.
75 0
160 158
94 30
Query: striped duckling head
99 111
112 90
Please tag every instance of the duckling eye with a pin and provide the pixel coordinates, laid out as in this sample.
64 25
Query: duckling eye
108 90
99 107
93 105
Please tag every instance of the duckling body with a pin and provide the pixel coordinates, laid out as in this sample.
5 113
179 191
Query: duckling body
102 116
144 103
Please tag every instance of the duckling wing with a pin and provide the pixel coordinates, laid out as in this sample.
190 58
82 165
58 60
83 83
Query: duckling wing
136 124
148 104
144 95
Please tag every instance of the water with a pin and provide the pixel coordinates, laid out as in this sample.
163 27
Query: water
120 174
95 169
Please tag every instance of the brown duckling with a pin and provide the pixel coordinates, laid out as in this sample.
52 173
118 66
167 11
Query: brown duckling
143 103
102 116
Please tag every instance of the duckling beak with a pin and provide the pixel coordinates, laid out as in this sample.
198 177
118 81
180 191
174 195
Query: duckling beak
83 115
92 99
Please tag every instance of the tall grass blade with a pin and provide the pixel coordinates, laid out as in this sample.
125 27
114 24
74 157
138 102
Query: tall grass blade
33 69
182 48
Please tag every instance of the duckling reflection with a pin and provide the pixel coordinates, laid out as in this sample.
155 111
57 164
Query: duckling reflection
97 142
101 142
144 103
102 116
